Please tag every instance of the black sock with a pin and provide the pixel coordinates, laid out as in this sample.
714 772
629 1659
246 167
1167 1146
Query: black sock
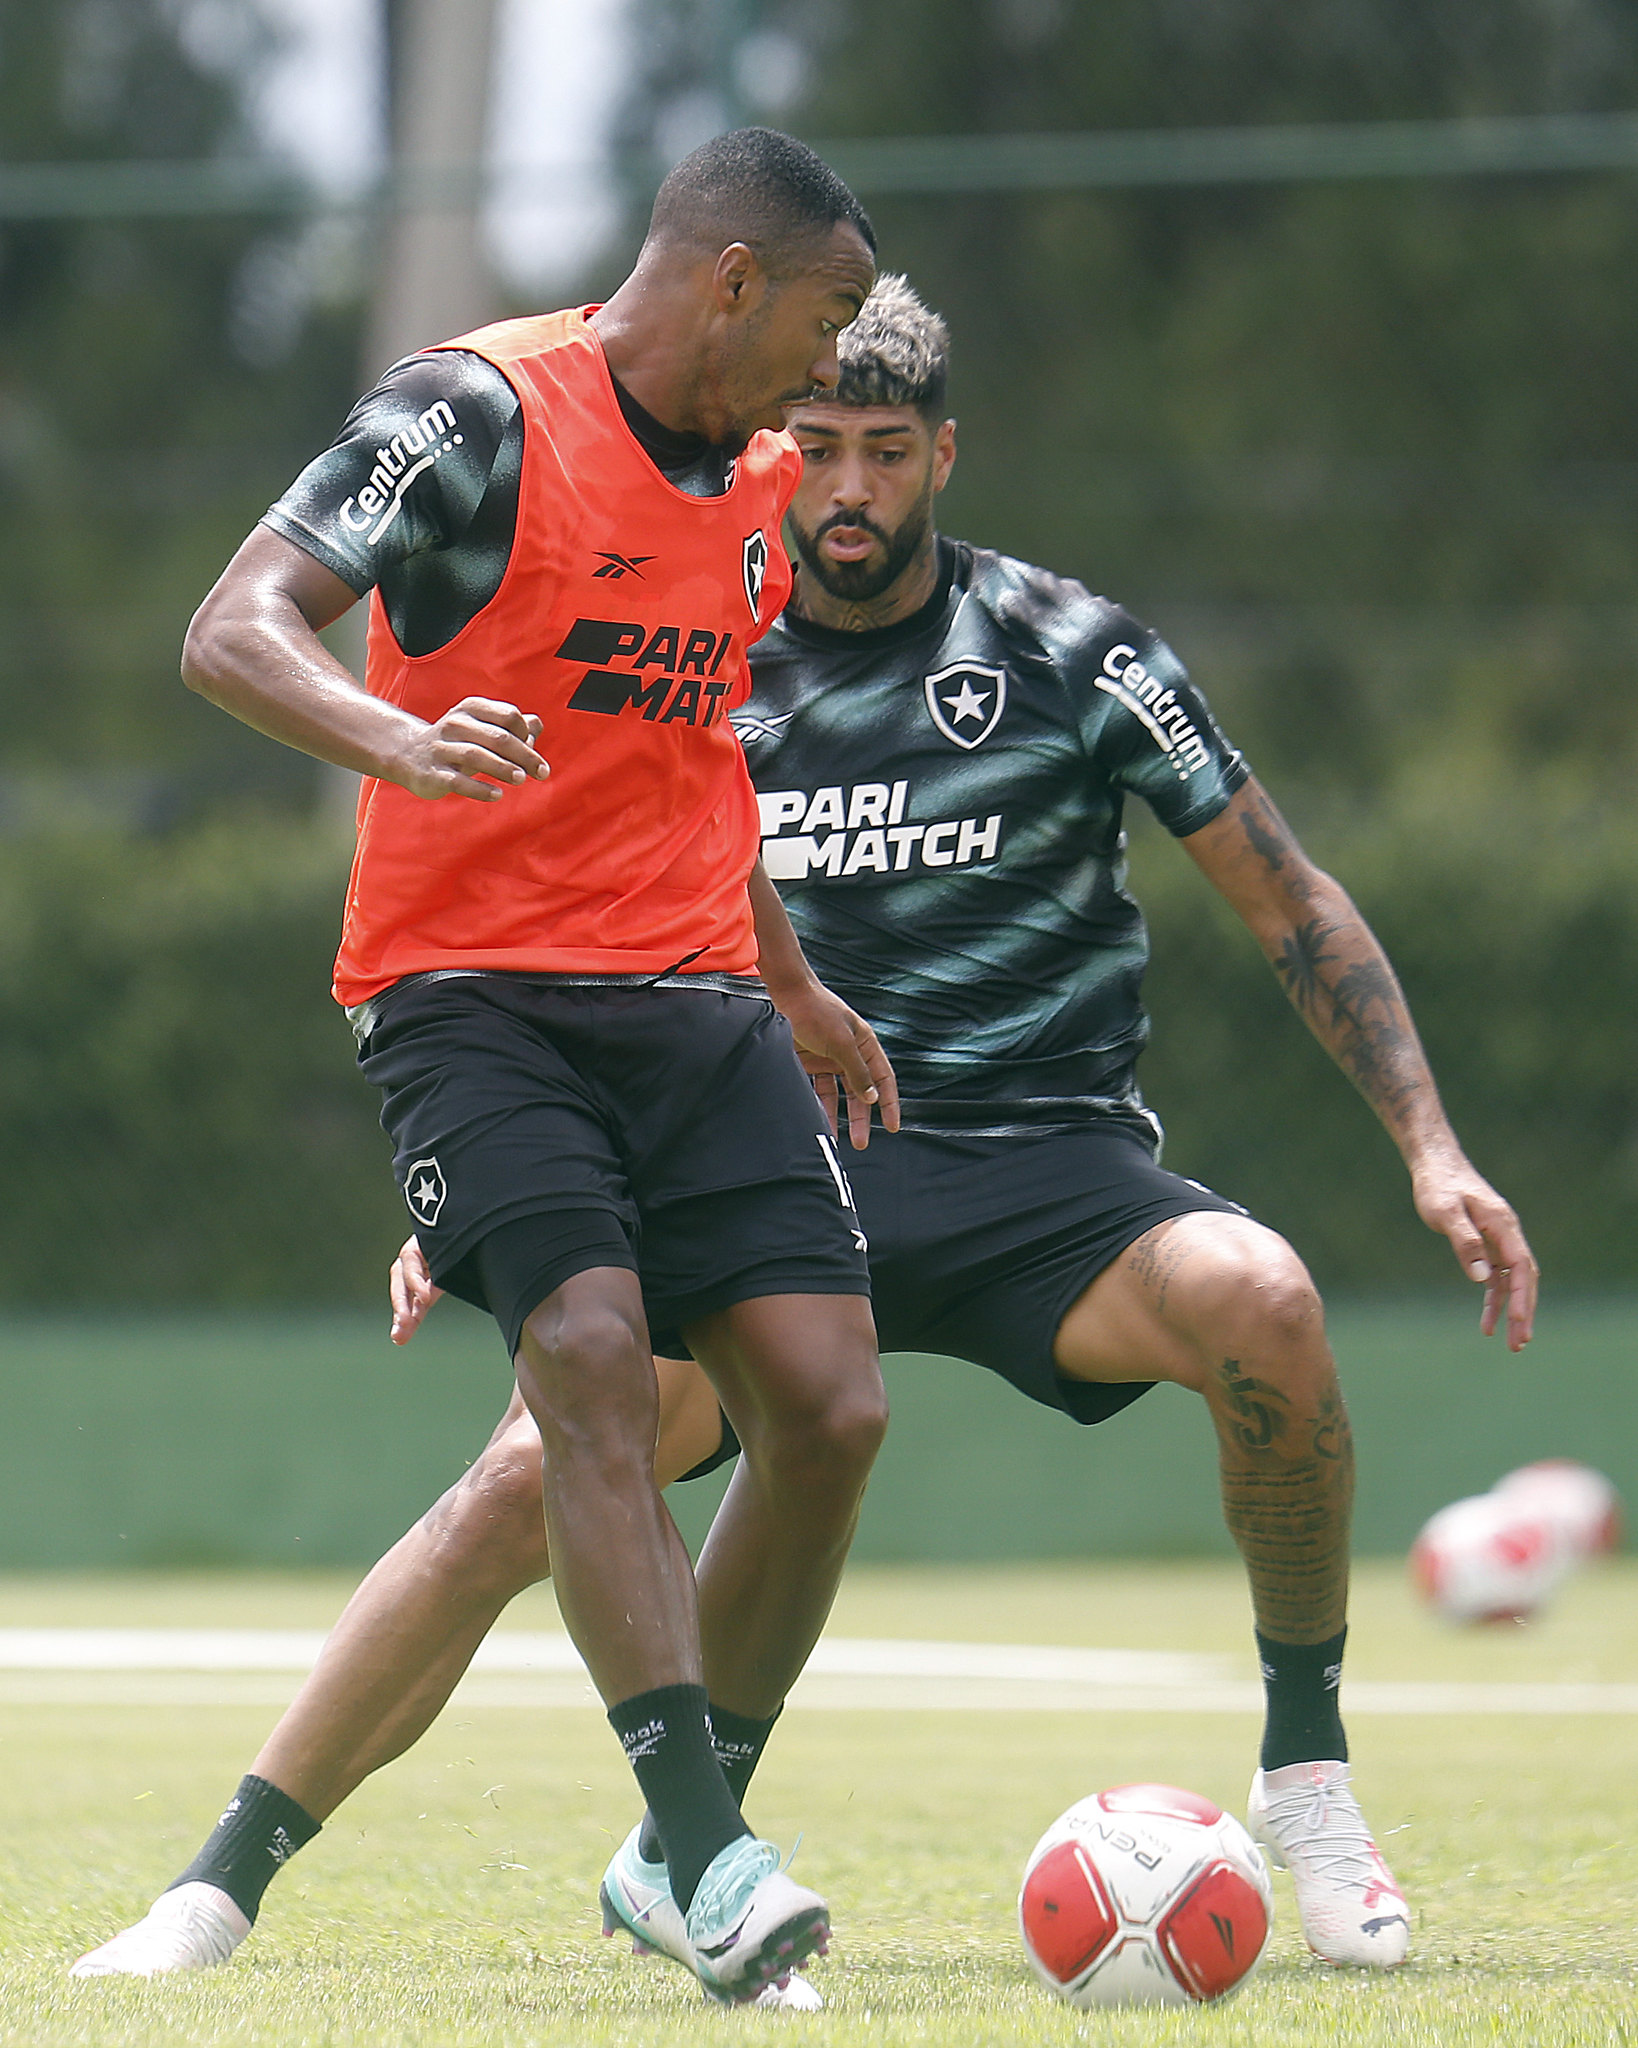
256 1837
739 1741
668 1744
1300 1684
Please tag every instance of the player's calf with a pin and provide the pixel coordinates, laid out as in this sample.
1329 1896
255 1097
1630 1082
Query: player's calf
492 1522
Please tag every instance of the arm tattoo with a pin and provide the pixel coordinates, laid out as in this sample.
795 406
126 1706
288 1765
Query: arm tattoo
1356 1011
1344 990
1301 956
1332 969
1269 838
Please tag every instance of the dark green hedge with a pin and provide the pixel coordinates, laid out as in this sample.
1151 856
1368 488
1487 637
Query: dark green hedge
179 1110
180 1119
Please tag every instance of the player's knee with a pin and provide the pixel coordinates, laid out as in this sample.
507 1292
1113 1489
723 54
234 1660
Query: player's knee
587 1375
1252 1291
831 1439
582 1347
855 1424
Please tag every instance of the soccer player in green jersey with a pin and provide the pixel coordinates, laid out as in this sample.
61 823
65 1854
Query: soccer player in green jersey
943 741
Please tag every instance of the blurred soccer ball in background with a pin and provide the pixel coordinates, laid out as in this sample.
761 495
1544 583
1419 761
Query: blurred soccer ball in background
1501 1555
1579 1499
1144 1895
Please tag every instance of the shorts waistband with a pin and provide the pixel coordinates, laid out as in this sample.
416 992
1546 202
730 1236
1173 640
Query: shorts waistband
1031 1117
364 1017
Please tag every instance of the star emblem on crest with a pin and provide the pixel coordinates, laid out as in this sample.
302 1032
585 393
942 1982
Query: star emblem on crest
967 703
754 564
424 1190
966 700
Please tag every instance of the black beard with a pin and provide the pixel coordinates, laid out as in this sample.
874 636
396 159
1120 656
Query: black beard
858 582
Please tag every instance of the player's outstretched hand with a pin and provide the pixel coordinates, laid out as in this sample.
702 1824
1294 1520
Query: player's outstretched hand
837 1046
1485 1236
411 1288
477 749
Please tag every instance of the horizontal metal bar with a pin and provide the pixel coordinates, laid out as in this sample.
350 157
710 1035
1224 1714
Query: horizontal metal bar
148 190
1503 146
1500 146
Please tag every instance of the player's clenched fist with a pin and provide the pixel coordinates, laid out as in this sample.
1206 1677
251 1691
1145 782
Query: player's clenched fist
476 745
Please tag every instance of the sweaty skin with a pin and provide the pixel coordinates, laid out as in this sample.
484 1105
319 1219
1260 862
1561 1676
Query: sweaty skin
1213 1302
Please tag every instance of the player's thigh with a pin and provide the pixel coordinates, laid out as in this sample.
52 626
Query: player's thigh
752 1251
501 1146
1177 1296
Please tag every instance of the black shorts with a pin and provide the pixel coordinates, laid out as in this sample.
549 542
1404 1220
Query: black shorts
543 1127
979 1246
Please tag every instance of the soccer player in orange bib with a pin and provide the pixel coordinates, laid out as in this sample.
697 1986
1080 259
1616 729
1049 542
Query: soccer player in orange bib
576 995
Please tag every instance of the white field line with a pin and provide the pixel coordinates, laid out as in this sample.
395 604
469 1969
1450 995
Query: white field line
245 1649
516 1669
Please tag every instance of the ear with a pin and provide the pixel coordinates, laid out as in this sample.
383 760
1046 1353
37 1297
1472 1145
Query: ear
944 454
738 280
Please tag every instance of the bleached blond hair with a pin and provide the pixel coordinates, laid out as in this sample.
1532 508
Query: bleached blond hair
896 353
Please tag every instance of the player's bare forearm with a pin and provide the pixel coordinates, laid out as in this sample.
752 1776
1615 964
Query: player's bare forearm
1341 984
1329 963
254 650
834 1041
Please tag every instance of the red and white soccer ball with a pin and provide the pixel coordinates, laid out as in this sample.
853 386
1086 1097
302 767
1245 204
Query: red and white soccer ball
1501 1555
1489 1559
1580 1500
1144 1895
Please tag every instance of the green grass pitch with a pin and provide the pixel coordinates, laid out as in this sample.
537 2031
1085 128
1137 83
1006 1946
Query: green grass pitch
453 1900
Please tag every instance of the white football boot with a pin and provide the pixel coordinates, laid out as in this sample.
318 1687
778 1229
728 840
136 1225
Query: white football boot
192 1927
636 1895
749 1925
1351 1907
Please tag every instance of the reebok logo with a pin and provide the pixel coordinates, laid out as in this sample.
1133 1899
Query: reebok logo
844 1192
615 566
643 1741
397 466
752 726
672 677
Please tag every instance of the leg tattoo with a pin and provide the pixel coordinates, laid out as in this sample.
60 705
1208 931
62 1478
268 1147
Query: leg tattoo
1288 1482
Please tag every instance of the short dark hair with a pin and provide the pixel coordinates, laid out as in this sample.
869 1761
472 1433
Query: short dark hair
896 353
759 187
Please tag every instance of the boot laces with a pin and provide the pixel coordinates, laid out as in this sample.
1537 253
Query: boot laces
728 1883
1328 1831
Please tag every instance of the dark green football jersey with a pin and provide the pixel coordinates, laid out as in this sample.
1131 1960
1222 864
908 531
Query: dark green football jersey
941 810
